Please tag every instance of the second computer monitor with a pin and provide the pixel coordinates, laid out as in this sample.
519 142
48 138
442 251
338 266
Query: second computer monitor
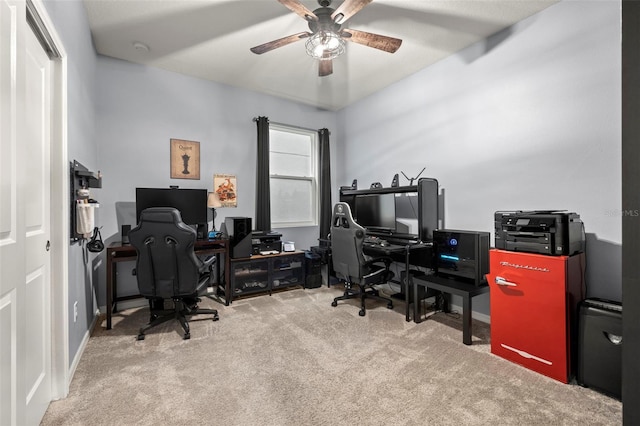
376 212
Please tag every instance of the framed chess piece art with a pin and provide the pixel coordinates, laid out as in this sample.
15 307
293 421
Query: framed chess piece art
185 159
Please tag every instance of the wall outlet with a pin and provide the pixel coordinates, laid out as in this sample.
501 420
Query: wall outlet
75 311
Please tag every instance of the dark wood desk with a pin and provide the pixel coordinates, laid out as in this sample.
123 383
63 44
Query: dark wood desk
401 253
118 252
450 286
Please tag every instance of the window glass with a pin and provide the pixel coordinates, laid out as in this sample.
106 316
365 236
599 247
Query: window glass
293 176
291 201
290 154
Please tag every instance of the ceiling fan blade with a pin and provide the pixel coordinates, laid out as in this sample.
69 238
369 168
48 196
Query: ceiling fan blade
347 9
298 8
377 41
266 47
325 67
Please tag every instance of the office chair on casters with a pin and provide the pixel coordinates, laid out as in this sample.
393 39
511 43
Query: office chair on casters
351 265
168 268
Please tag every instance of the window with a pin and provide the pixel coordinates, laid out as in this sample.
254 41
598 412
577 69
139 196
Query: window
293 175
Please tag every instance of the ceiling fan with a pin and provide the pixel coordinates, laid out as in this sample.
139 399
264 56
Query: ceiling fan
326 39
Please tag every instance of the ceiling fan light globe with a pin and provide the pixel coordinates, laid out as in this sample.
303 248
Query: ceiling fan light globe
325 45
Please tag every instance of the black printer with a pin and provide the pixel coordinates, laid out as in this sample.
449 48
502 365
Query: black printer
263 242
552 232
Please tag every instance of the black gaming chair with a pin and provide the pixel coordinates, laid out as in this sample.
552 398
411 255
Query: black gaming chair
168 268
351 265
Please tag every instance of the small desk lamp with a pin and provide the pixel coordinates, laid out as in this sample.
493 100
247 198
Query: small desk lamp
213 202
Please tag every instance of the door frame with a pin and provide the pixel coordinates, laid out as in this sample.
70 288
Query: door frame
59 182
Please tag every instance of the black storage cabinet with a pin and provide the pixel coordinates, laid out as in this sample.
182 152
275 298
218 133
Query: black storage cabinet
600 346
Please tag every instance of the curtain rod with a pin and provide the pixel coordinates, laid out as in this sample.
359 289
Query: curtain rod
288 125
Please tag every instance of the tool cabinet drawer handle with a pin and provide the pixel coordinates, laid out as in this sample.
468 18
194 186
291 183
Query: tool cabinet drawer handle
502 281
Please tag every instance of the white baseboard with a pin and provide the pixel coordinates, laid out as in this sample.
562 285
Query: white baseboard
83 345
128 304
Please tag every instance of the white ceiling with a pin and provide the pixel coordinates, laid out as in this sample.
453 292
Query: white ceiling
210 39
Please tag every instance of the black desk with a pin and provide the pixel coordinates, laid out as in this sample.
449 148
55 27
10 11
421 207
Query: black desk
119 252
401 253
450 286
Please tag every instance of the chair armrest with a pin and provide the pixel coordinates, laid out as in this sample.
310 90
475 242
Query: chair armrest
384 259
385 273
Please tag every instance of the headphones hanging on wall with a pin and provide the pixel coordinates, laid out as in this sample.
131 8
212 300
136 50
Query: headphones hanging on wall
95 244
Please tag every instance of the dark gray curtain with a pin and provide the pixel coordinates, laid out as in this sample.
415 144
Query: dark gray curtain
325 183
263 192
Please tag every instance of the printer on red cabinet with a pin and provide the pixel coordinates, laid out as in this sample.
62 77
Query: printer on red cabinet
552 232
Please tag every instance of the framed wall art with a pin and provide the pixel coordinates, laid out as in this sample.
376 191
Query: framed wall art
225 187
185 159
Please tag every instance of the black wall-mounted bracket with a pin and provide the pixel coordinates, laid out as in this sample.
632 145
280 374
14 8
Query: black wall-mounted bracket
80 180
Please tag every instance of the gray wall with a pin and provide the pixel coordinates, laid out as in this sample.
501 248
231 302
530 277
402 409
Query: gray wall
529 119
140 109
70 21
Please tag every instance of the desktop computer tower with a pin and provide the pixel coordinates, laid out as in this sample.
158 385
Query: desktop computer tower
313 269
239 231
463 255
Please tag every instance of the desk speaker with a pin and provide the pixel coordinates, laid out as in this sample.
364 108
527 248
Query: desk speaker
125 233
239 231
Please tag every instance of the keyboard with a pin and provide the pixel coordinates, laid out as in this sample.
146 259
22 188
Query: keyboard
402 241
375 241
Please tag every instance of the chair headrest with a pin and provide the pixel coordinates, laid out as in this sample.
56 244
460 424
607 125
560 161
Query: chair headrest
161 215
342 210
342 218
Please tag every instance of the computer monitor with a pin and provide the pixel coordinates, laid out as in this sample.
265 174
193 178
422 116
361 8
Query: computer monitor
407 213
376 212
192 203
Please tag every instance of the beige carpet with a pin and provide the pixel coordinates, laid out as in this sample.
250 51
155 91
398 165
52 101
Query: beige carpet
292 359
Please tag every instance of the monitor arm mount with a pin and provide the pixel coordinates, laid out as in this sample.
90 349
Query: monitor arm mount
413 178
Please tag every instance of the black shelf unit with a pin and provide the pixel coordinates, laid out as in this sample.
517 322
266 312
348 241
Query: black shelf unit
390 190
266 273
249 276
287 271
430 202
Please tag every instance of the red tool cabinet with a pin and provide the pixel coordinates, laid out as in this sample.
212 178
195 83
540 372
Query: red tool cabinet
534 305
